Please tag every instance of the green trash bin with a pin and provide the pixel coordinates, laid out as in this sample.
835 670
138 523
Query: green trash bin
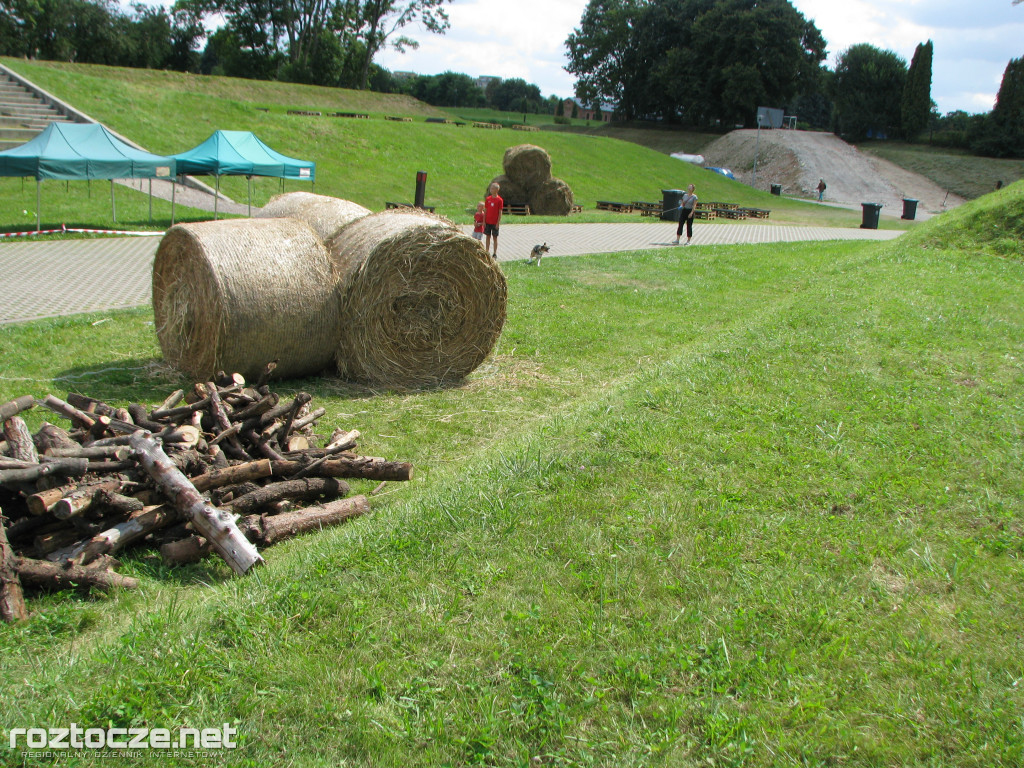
909 209
869 219
671 201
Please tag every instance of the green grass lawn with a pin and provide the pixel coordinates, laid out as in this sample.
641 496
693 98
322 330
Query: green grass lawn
367 161
732 506
966 175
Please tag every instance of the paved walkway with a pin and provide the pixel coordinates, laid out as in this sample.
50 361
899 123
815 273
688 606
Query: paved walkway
65 277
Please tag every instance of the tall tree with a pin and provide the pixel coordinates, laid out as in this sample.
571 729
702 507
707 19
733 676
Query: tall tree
867 90
707 60
1001 133
381 19
917 93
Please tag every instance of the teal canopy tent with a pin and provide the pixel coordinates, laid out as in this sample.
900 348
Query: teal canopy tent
241 153
83 151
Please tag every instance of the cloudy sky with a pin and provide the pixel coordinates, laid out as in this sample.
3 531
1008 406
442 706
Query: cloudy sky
973 41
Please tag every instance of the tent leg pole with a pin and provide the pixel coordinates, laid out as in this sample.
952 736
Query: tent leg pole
150 200
248 183
174 188
216 199
113 203
38 184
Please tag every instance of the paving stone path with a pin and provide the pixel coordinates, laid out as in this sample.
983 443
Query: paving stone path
65 277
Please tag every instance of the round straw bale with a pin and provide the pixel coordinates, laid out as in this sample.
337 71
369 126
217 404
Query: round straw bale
527 165
552 198
421 302
326 215
510 192
234 295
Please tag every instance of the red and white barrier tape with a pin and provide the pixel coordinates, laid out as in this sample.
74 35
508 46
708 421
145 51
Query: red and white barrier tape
63 229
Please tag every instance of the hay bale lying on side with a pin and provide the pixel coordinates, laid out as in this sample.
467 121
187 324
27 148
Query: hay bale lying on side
421 303
233 295
552 198
326 215
510 192
527 165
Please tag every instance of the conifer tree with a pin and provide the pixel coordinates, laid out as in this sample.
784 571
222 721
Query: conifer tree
917 93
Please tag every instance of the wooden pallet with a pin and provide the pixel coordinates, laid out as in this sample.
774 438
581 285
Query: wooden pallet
492 126
756 213
606 205
576 209
647 209
518 127
304 113
389 204
729 213
704 213
516 210
352 114
398 119
719 206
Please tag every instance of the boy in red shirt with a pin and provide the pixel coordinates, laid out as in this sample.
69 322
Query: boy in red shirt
478 222
493 207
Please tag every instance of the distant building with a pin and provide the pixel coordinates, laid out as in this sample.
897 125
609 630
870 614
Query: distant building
404 75
484 80
586 113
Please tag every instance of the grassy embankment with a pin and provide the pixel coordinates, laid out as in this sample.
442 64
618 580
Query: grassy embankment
368 161
741 506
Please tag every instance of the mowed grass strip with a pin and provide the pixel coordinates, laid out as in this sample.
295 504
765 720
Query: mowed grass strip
750 505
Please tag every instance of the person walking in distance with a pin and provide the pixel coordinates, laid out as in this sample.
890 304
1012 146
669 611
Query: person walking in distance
686 211
493 207
821 190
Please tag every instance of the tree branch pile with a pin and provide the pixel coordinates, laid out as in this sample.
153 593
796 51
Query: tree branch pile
225 468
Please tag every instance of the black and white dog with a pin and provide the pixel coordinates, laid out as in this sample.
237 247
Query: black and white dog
538 253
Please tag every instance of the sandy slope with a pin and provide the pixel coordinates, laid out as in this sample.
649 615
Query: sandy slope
798 159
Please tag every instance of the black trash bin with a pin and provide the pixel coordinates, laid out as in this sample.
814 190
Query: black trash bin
869 220
671 201
777 189
909 209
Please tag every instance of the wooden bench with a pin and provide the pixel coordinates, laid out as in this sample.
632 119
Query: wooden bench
729 213
704 213
516 210
352 114
398 119
493 126
389 204
304 113
517 127
441 120
647 209
756 213
719 206
606 205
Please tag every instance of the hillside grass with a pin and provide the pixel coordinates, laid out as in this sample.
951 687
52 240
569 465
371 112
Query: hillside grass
369 161
964 174
736 506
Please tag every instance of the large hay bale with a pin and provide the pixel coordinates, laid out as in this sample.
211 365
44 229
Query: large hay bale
233 295
527 165
510 192
421 303
552 198
326 215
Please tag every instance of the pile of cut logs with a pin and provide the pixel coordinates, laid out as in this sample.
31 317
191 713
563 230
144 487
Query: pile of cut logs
224 467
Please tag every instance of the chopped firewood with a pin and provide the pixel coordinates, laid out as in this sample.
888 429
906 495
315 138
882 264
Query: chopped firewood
180 477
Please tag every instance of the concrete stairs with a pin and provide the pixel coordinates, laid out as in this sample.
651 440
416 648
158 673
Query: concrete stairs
23 114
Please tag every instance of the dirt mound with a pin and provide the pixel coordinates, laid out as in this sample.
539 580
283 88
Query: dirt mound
798 159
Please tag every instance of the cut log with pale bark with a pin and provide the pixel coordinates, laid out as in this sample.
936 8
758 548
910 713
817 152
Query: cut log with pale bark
368 467
43 573
66 467
215 524
268 529
306 489
12 598
114 539
19 440
237 473
16 406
